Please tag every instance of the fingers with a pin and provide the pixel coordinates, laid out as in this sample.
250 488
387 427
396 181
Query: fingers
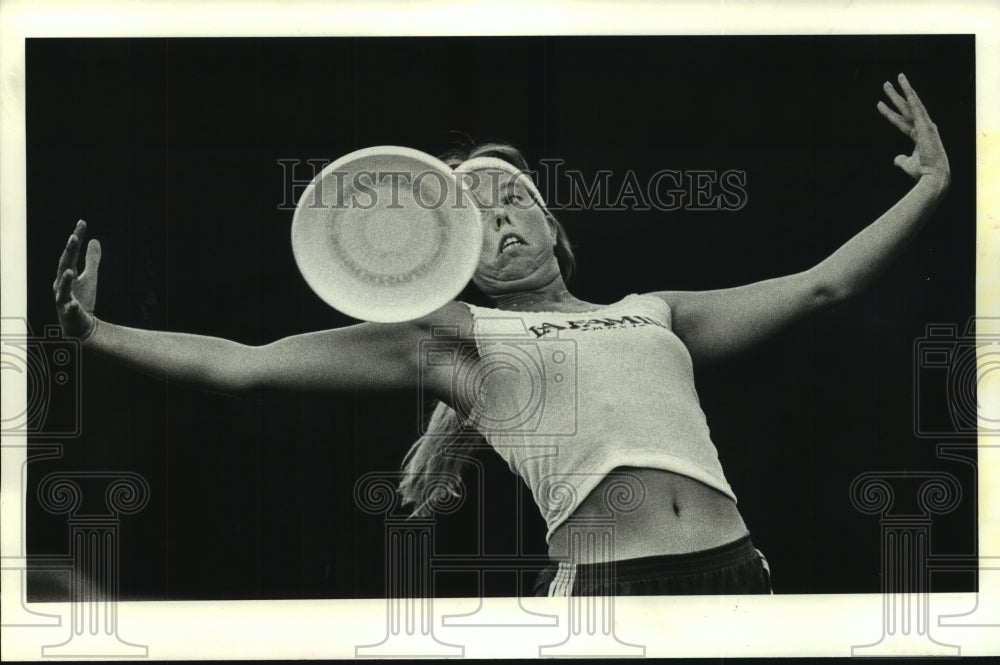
93 259
71 252
64 288
899 121
912 119
68 259
896 99
916 106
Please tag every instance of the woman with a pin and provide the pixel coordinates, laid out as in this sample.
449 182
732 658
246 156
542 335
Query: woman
679 530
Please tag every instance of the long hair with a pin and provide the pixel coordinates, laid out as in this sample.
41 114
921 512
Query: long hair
435 461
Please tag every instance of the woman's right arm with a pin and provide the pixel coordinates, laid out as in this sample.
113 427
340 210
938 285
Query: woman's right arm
365 356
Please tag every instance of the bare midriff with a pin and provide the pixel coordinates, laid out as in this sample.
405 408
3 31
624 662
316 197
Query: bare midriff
676 515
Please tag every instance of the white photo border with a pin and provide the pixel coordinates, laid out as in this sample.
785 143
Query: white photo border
806 625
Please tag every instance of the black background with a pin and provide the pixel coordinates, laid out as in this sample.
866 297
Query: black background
170 148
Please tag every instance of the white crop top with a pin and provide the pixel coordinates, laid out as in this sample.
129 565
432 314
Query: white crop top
565 398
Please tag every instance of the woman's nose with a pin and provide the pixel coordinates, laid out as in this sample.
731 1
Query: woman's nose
501 218
496 217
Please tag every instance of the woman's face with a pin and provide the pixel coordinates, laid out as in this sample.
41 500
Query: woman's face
518 240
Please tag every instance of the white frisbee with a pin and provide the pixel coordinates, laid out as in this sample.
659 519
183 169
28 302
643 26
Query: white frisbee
385 234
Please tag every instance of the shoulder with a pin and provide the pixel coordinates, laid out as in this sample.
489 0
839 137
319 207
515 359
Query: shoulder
445 329
658 302
456 315
668 298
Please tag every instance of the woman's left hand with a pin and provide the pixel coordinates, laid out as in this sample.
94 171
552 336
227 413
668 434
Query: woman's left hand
928 159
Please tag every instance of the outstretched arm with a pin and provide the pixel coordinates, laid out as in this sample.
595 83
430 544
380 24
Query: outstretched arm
366 356
716 323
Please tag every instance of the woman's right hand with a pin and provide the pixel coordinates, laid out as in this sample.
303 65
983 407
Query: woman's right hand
77 295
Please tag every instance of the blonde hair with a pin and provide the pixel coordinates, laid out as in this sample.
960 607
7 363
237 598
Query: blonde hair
434 463
432 467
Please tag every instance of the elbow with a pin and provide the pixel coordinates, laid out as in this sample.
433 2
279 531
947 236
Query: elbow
825 291
234 373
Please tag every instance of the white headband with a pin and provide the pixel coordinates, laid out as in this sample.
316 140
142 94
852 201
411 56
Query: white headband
482 163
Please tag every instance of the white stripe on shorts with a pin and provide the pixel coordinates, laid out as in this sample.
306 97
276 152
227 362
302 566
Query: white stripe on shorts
562 583
767 568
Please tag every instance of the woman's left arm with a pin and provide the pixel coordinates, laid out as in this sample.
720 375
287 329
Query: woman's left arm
716 323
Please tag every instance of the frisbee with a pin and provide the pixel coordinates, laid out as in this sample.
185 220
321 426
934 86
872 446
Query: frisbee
385 234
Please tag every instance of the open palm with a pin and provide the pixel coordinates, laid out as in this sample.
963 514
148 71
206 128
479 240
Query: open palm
75 295
910 117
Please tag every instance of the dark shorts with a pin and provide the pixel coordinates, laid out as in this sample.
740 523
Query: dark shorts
735 568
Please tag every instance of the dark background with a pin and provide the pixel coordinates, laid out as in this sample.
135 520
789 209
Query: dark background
170 148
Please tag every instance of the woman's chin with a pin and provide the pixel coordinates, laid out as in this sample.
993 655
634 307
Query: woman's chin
512 280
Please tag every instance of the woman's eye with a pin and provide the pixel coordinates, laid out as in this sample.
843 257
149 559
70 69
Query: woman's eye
512 197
